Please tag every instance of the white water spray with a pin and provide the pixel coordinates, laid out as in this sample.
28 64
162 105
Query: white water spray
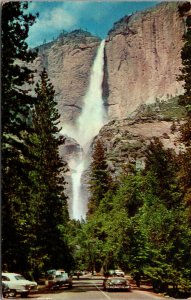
92 117
88 125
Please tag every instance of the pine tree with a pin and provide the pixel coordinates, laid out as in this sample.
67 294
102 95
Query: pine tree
162 166
16 104
185 100
100 180
164 217
15 100
48 180
185 76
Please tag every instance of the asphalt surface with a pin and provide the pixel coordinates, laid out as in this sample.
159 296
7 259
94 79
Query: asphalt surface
91 288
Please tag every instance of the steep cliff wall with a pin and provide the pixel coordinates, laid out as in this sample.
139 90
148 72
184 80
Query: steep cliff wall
68 61
143 59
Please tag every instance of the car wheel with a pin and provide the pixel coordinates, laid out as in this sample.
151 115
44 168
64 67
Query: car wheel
11 293
24 295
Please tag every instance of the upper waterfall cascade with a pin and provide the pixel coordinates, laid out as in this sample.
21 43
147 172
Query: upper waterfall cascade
87 126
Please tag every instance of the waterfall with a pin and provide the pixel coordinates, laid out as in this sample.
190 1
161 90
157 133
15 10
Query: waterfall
92 117
77 167
90 121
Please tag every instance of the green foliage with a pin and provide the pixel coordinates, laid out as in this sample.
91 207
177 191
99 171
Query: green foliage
47 180
164 218
185 177
100 180
162 166
168 238
185 101
16 104
15 101
34 207
168 109
143 227
110 229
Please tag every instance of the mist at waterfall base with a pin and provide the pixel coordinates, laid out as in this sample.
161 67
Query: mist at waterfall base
86 127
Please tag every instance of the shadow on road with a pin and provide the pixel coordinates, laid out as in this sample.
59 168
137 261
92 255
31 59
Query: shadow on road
78 286
87 284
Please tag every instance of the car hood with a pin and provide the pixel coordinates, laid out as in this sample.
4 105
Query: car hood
117 281
21 282
27 282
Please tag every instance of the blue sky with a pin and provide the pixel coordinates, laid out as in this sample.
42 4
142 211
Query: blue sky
95 17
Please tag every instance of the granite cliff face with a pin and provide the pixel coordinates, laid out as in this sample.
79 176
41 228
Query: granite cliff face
143 59
68 61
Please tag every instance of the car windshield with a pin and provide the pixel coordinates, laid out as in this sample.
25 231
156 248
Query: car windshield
61 276
117 280
19 277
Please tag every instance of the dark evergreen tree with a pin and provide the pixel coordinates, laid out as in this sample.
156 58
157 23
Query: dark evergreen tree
185 76
16 104
164 218
16 101
100 179
162 167
185 100
47 177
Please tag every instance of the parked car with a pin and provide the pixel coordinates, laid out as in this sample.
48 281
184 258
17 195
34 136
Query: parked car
119 273
56 281
116 283
17 284
55 272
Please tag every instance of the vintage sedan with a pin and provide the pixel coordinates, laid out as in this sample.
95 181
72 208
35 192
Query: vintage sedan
17 284
56 281
116 283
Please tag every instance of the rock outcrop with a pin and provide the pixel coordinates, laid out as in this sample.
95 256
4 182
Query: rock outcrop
126 141
143 59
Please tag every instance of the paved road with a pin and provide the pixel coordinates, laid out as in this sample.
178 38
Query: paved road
91 289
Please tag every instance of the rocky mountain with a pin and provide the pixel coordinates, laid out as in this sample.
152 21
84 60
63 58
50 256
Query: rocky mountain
142 60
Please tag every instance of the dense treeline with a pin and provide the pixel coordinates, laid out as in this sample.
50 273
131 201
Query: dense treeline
34 204
143 226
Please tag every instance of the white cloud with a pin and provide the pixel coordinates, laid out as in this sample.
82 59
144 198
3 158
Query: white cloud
58 18
49 23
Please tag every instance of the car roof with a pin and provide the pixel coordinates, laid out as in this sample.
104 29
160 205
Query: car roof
10 274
